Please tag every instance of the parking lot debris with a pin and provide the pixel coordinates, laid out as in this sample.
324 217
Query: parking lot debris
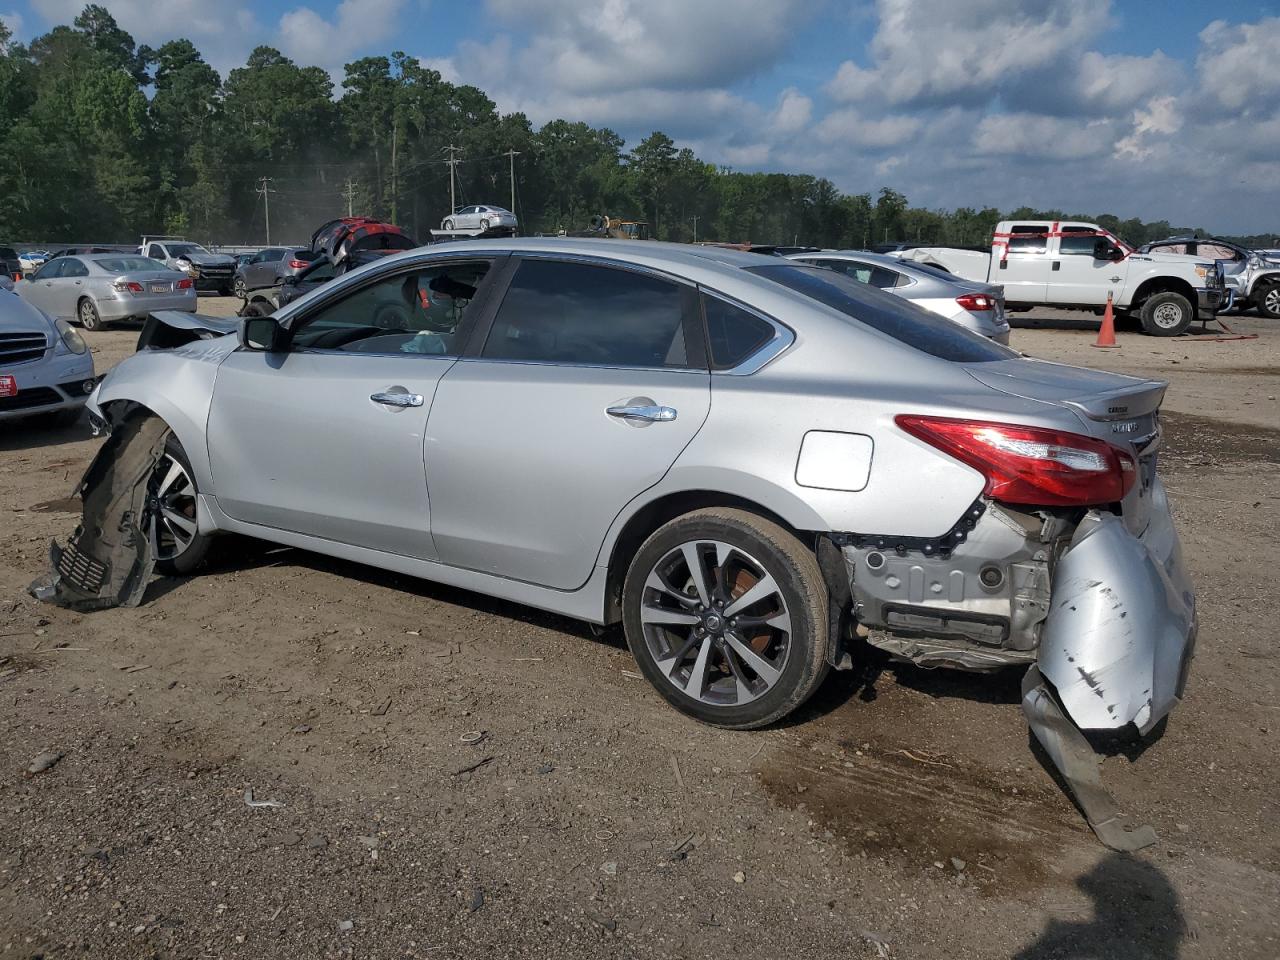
381 709
302 728
346 926
878 943
477 899
108 560
317 842
739 877
472 737
250 802
609 868
472 766
42 762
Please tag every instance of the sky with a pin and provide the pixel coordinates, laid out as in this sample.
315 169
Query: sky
1160 109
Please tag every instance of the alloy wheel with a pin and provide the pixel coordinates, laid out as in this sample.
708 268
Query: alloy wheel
716 623
171 501
1271 302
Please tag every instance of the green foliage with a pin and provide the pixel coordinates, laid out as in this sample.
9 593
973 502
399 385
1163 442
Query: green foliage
101 140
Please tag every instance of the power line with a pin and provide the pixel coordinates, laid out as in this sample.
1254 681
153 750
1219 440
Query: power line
453 167
349 193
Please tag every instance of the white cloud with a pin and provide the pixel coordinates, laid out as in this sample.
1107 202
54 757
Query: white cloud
618 45
330 41
13 20
850 128
1237 61
792 113
927 50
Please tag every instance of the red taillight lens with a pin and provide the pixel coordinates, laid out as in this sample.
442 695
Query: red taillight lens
976 301
129 285
1031 465
185 284
298 264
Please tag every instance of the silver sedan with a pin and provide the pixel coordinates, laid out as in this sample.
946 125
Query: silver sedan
747 462
976 306
97 289
480 217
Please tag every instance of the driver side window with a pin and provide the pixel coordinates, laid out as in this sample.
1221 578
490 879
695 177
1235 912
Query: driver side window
156 252
420 312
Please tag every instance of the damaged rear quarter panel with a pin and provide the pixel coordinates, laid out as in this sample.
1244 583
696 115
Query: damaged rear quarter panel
1121 624
177 386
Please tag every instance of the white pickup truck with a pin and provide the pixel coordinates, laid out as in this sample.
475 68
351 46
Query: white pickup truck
1075 265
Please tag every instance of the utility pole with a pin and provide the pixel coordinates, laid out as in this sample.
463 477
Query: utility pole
453 166
395 181
265 192
350 194
511 155
695 220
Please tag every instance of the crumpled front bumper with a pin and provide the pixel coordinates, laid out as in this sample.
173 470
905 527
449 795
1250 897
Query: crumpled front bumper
1121 630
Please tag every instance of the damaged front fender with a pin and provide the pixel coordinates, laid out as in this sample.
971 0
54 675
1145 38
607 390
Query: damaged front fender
1121 629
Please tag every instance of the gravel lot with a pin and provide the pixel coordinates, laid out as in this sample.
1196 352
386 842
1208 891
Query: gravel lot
899 815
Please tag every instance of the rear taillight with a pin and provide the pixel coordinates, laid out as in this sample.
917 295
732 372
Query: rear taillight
298 264
128 286
1031 465
976 301
185 284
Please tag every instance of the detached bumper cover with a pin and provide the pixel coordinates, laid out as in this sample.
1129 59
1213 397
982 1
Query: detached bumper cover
1120 635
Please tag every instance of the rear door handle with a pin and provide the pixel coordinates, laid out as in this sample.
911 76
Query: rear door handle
397 399
649 413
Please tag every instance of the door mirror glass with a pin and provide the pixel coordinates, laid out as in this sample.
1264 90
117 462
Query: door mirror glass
261 333
1103 250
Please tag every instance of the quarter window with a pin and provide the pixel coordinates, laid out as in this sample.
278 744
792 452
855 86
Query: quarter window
411 313
574 313
734 334
74 268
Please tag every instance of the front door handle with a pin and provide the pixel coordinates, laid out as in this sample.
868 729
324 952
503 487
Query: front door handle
648 413
397 399
1057 265
1115 279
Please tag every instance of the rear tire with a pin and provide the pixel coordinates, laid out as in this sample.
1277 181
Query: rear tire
719 662
227 290
1268 300
87 311
258 308
1167 315
447 225
179 550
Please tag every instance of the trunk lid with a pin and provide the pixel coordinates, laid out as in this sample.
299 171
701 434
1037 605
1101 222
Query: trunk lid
1122 410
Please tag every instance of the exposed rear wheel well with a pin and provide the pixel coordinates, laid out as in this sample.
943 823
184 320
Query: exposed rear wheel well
663 510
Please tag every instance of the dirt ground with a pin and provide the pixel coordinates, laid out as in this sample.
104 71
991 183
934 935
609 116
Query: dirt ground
460 777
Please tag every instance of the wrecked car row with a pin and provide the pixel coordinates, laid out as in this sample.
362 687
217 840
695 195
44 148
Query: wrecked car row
754 465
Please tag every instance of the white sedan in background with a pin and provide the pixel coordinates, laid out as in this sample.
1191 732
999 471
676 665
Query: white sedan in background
480 217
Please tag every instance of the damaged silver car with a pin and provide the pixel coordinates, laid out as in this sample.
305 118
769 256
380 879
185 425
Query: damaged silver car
752 464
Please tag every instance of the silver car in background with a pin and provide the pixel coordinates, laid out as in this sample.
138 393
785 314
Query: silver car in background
975 306
480 217
749 462
97 289
45 367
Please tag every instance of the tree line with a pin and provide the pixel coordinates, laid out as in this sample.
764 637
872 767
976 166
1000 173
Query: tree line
103 140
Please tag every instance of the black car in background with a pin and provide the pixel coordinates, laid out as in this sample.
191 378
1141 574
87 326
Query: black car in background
10 262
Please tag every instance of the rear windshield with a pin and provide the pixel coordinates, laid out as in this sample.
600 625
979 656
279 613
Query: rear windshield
886 313
130 264
8 253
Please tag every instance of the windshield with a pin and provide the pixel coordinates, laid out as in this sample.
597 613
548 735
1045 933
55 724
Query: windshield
886 313
178 249
130 264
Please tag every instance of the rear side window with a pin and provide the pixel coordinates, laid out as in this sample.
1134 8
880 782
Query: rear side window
887 314
1028 238
1077 246
733 333
575 313
74 268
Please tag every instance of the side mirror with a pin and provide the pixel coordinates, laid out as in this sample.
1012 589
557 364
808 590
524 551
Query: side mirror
262 333
1102 249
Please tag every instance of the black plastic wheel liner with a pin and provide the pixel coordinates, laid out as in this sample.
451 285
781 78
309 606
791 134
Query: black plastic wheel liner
108 560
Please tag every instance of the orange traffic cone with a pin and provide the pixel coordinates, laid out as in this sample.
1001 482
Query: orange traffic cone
1107 334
